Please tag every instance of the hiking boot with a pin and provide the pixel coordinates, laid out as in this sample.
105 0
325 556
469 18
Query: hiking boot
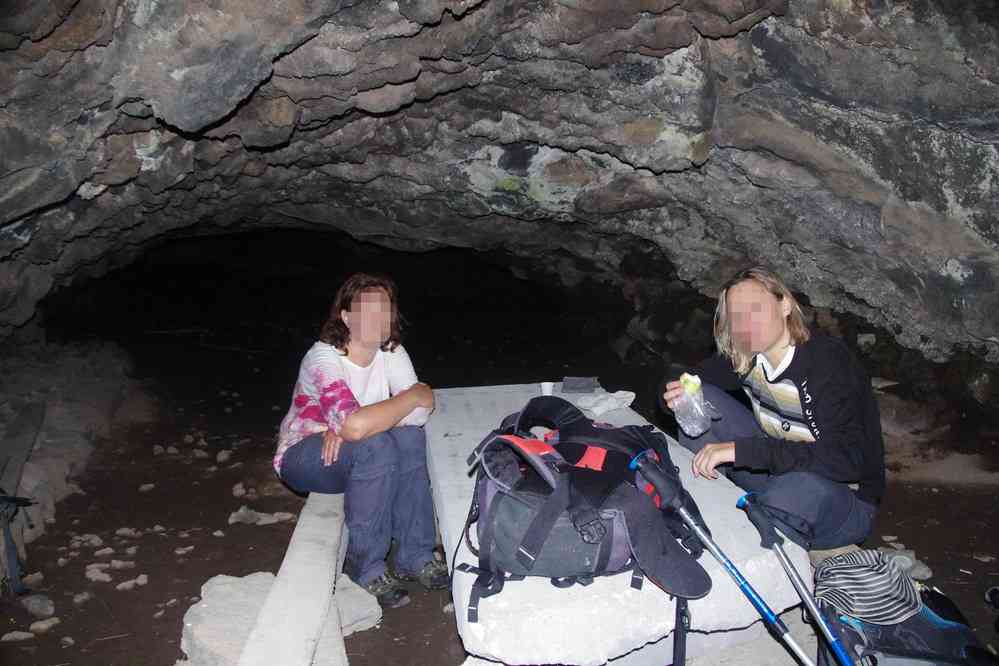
432 576
388 591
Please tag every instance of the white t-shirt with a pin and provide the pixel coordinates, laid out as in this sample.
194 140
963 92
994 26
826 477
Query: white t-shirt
331 387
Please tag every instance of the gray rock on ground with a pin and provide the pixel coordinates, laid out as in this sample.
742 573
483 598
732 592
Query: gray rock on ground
33 580
358 608
216 628
906 560
44 626
38 605
16 636
127 585
248 516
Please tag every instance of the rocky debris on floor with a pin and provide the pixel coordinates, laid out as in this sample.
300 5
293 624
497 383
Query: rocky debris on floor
33 580
67 641
16 636
146 487
118 565
128 532
96 572
43 626
905 558
81 598
88 540
183 551
127 585
85 388
158 450
38 605
104 552
248 516
244 489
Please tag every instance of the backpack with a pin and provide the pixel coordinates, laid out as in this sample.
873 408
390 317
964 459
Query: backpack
883 618
568 507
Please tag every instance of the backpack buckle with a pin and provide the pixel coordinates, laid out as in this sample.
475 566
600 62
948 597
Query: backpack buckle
591 529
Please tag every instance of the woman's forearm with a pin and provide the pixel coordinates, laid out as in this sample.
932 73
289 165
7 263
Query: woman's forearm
379 417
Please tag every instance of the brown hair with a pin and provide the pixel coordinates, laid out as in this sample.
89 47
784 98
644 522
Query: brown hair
335 332
770 281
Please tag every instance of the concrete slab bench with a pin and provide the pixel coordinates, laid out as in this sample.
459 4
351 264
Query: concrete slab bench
299 624
532 622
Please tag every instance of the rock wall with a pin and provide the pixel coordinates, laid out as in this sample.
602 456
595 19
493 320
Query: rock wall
86 390
850 144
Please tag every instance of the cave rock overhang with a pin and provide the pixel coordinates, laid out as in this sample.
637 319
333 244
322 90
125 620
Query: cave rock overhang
840 144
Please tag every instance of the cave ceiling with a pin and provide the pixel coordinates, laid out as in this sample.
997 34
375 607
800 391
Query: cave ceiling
851 145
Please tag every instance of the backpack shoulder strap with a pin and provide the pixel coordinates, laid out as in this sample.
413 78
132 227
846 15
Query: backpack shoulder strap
545 410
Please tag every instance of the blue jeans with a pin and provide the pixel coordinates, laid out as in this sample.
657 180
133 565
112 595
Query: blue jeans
386 496
811 510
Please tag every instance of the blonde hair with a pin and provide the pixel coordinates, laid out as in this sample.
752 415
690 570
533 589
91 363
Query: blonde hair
770 281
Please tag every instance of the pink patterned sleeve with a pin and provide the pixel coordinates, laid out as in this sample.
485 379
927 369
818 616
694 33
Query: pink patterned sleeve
336 402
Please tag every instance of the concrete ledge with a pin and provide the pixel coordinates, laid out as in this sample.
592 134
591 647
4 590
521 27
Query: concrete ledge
294 622
532 622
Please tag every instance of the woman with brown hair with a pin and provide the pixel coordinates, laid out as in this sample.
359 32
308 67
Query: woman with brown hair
354 427
811 445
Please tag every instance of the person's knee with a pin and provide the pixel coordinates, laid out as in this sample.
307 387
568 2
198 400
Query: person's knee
793 489
411 445
373 455
713 394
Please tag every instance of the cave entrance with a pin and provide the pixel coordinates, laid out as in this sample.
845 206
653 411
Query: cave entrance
237 312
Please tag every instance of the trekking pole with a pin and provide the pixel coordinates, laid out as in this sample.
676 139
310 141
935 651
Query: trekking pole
772 540
670 496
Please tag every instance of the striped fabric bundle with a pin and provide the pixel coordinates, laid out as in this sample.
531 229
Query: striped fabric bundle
868 586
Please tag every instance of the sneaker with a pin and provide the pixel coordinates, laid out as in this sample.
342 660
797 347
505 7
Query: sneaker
388 591
432 576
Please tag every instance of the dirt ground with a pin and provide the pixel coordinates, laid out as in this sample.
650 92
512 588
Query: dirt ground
222 369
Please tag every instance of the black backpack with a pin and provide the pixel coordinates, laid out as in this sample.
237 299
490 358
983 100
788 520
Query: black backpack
570 509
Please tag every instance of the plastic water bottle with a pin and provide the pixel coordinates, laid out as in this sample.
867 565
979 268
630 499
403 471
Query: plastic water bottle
691 410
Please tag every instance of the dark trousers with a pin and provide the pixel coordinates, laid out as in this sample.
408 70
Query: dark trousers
386 496
811 510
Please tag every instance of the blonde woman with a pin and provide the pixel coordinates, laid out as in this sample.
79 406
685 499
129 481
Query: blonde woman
810 445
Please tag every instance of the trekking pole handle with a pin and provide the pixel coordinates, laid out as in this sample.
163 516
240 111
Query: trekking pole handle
669 493
759 518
